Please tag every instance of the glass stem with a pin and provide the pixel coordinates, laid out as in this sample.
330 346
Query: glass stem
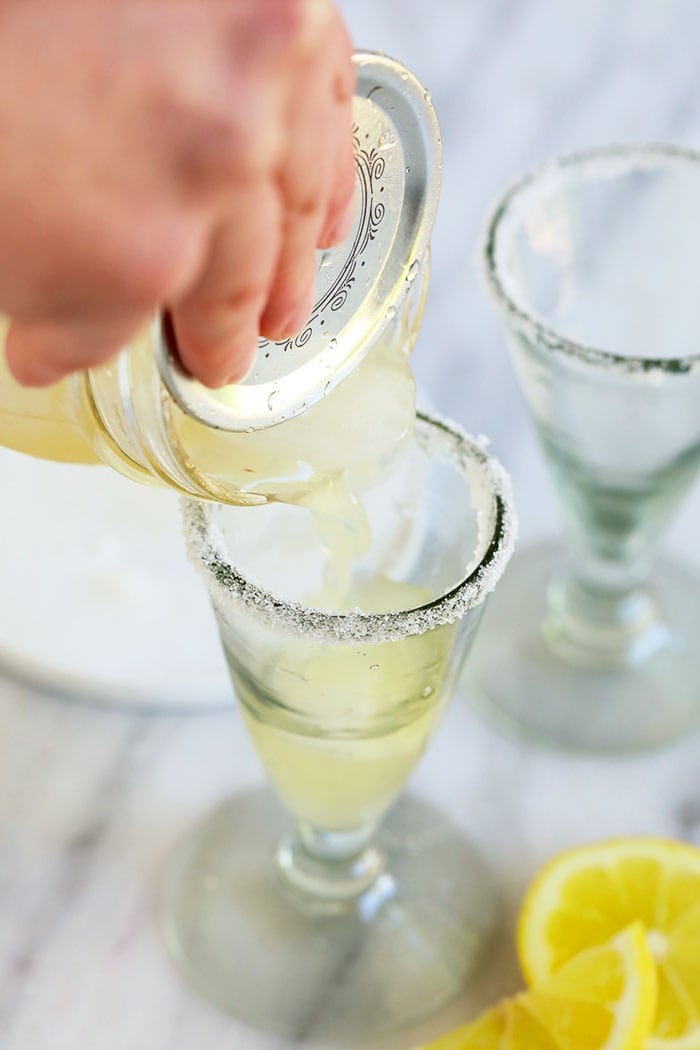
329 870
600 613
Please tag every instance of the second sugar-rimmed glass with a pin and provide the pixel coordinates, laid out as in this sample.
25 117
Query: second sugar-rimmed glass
593 261
328 924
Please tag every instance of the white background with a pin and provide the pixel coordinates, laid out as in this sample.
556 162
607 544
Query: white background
90 802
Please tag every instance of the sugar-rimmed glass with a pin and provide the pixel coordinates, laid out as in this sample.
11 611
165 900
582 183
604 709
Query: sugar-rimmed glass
593 260
330 927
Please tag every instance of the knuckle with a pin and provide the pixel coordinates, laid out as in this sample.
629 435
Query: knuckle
219 142
225 153
300 26
209 156
306 207
247 298
150 279
301 20
145 275
302 195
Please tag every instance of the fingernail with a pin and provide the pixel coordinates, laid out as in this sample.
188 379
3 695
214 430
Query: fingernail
299 318
244 366
226 373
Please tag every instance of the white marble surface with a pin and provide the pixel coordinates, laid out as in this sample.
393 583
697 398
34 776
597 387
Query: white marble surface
91 801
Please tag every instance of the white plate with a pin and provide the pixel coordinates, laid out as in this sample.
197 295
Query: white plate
97 599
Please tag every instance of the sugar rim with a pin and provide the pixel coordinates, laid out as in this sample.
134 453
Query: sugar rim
533 327
226 584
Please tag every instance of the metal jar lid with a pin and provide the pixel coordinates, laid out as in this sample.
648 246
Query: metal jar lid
360 285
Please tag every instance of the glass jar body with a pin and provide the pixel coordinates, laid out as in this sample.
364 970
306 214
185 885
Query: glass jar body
122 415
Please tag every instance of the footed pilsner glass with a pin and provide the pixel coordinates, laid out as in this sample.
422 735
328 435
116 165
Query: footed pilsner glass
327 924
594 260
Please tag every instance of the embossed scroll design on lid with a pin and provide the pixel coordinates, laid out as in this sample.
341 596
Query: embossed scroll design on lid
371 167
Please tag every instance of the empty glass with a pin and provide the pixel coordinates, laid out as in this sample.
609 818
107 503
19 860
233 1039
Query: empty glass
324 925
594 261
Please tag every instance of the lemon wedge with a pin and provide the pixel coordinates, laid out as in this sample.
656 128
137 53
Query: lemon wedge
603 999
586 896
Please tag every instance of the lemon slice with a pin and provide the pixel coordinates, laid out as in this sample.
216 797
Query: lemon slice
584 897
601 1000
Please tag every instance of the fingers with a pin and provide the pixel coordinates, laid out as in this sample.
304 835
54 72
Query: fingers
215 159
292 288
41 353
292 297
314 181
217 323
260 274
340 208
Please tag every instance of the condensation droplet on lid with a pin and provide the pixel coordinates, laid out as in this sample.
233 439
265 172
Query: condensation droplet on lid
404 76
326 260
428 691
385 140
272 399
427 97
374 667
391 313
333 345
408 169
413 271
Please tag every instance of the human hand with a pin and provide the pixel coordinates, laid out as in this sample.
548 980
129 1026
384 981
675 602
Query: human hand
190 154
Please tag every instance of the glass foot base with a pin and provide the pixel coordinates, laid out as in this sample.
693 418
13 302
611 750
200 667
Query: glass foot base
515 679
398 954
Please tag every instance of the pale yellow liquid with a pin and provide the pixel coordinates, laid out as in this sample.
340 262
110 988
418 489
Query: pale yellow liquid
360 423
40 422
367 714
